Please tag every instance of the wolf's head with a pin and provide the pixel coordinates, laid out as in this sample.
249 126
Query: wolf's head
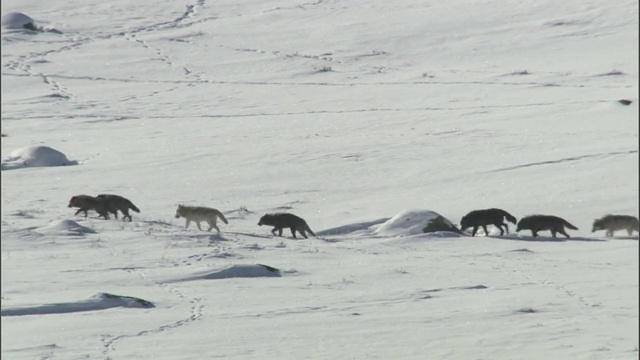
179 211
597 225
464 223
265 220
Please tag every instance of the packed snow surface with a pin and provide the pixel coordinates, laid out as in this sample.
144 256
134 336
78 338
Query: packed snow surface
368 120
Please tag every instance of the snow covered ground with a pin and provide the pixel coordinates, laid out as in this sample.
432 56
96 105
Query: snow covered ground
356 116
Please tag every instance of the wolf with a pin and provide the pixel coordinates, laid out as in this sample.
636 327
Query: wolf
86 203
200 213
286 220
117 202
611 223
486 217
536 223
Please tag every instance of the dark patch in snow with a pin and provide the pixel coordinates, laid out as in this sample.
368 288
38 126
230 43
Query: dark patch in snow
526 311
612 73
474 287
522 250
625 102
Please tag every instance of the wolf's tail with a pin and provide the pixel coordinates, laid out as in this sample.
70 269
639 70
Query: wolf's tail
568 225
133 207
309 230
221 216
509 217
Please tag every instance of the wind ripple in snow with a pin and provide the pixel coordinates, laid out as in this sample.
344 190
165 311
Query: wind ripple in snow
569 159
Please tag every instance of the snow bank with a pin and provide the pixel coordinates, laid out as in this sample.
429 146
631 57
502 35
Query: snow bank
65 227
35 156
413 222
99 301
236 271
20 21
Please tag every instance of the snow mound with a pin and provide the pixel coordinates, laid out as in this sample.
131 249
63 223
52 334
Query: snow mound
415 222
65 227
236 271
99 301
19 21
16 20
35 156
351 229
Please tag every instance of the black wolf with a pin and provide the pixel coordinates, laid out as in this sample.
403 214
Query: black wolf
486 217
117 202
611 223
86 203
286 220
537 223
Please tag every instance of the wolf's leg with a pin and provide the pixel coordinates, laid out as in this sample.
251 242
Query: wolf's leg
629 231
534 233
561 231
486 232
475 229
274 231
553 233
293 232
302 231
125 214
213 225
198 223
279 231
187 225
506 228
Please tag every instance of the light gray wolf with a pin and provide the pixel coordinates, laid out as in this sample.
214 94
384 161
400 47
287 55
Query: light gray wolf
86 203
117 202
537 223
486 217
286 220
200 213
611 223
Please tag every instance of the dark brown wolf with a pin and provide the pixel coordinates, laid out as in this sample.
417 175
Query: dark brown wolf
286 220
117 202
86 203
611 223
537 223
486 217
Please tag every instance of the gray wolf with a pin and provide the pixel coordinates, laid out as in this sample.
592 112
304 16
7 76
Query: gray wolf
286 220
486 217
537 223
200 213
86 203
611 223
117 202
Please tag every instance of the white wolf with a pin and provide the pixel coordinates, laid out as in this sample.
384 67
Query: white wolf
200 213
